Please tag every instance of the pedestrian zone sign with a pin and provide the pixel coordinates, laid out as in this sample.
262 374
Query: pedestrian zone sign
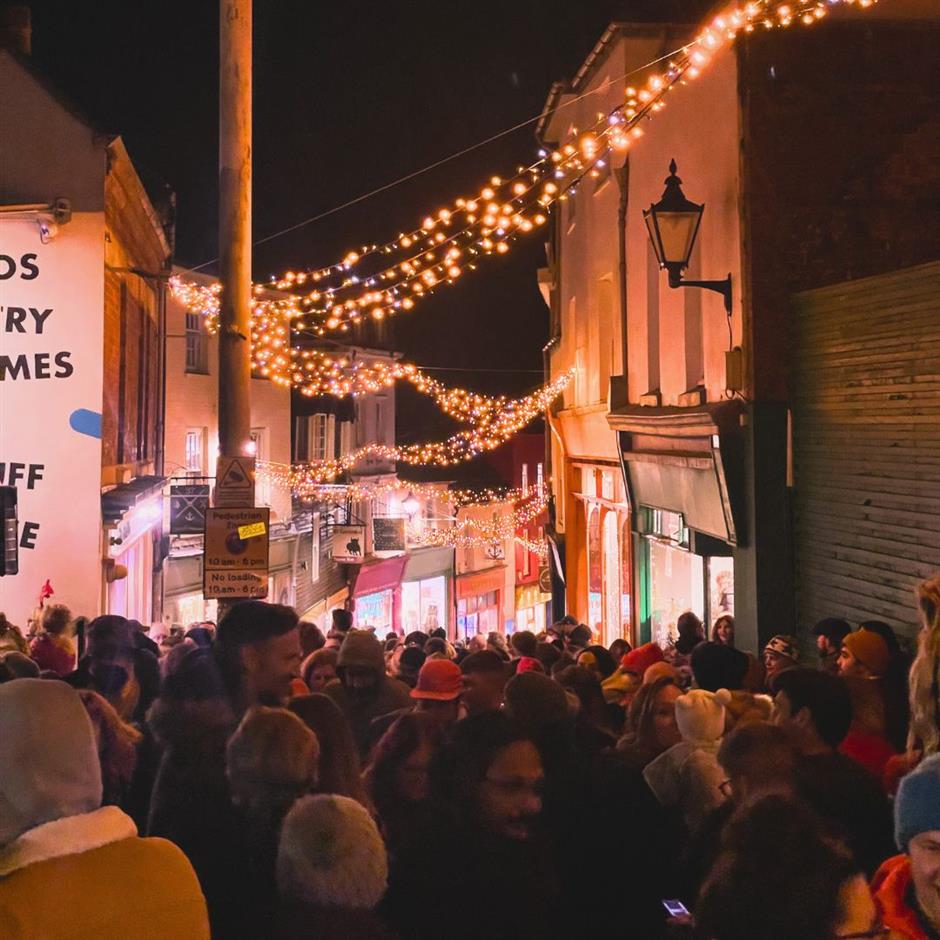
236 565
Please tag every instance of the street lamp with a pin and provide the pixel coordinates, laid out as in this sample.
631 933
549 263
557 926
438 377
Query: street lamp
673 224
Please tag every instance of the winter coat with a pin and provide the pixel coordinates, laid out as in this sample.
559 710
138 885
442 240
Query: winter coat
688 777
867 741
56 653
893 890
306 921
89 877
746 707
361 649
191 804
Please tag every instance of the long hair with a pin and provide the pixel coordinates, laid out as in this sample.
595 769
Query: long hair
117 745
925 672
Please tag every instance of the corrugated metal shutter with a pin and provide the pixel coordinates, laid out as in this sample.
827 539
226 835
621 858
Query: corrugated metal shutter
866 446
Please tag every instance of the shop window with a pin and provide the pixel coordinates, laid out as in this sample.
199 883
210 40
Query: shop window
676 584
197 345
195 451
626 579
611 579
595 572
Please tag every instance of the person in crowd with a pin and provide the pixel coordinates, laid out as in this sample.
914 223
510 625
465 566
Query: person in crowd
782 652
717 666
438 647
815 709
271 761
624 683
11 637
70 867
619 648
318 670
895 686
688 776
526 664
863 662
497 643
484 681
780 876
723 630
438 690
652 723
595 728
17 665
311 638
925 688
476 643
253 661
409 665
691 632
523 643
398 776
598 660
906 886
364 691
758 759
829 633
578 639
114 666
487 782
341 622
547 654
119 747
332 871
416 638
338 768
52 648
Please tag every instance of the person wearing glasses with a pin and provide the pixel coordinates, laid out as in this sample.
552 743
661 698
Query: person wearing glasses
907 887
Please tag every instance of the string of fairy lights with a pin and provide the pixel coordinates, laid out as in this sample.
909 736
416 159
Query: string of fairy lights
456 238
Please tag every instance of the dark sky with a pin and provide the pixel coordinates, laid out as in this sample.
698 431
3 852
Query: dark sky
347 97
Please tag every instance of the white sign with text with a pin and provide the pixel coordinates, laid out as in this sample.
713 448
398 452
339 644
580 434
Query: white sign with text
51 354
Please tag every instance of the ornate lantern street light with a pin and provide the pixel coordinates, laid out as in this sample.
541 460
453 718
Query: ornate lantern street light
673 224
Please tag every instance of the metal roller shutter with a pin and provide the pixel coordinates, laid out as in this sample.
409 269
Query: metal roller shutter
866 446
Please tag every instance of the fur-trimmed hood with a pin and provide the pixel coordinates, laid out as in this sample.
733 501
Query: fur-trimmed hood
191 723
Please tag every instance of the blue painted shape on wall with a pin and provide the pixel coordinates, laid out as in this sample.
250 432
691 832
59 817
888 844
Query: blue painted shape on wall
86 422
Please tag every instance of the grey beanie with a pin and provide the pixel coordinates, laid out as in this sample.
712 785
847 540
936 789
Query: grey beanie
917 805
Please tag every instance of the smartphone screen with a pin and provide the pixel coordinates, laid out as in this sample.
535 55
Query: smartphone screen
675 908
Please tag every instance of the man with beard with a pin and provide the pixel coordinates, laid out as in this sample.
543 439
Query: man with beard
485 843
363 691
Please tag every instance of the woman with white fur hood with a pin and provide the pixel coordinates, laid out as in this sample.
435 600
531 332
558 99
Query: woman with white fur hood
70 867
688 776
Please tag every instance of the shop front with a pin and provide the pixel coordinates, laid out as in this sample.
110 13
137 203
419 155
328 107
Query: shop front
680 468
480 599
427 591
377 596
532 608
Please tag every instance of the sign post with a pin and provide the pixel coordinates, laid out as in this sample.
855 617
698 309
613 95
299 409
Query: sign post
237 545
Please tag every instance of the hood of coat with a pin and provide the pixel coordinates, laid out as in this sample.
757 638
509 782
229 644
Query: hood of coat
49 766
191 723
361 649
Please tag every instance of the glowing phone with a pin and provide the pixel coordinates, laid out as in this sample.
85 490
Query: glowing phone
675 908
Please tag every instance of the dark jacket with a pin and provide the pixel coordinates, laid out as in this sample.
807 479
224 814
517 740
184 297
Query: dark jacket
306 921
361 649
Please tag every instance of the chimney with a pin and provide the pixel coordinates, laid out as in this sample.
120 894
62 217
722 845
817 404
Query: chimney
16 29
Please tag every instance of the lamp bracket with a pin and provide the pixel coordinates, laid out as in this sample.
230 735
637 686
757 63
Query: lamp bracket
719 287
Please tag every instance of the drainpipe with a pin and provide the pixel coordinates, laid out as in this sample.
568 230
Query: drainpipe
623 181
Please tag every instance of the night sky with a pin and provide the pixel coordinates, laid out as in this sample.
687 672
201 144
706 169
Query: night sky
347 97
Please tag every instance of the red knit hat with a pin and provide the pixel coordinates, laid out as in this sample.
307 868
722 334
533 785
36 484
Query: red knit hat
639 660
440 680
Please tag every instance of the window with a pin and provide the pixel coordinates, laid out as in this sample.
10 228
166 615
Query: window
314 437
346 438
525 477
259 440
539 477
195 438
197 346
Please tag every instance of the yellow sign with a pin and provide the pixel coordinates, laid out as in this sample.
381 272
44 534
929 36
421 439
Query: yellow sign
252 531
234 565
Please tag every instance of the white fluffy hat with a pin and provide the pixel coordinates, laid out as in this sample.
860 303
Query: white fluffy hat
701 715
331 854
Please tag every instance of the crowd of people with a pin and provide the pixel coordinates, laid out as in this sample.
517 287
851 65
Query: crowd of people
262 779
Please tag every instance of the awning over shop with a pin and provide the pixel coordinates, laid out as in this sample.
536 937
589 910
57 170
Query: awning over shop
482 582
382 576
427 562
117 501
683 461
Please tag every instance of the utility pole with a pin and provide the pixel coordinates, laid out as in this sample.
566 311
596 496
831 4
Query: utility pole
235 227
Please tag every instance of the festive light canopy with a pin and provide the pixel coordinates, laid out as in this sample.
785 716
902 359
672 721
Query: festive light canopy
380 280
